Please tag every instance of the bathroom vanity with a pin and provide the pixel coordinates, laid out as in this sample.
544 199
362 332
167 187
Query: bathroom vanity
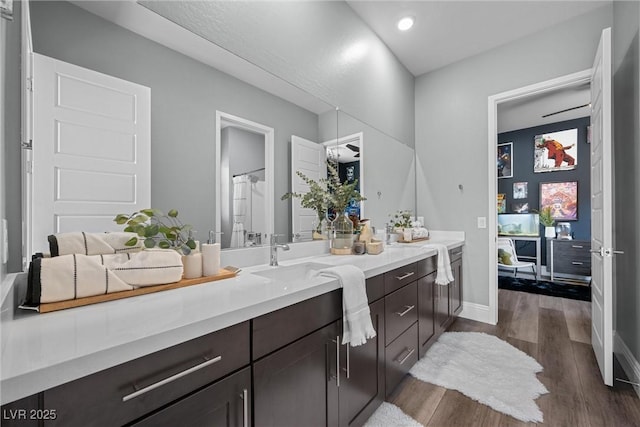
267 352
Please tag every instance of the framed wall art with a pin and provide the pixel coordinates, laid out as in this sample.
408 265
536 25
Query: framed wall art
556 151
520 190
505 160
562 198
501 203
521 207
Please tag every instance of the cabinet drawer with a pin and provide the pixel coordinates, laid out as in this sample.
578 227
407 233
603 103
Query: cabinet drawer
225 403
401 311
455 254
375 288
281 327
125 392
427 266
579 267
400 356
395 279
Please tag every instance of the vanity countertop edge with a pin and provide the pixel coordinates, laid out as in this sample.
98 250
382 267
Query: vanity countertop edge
41 351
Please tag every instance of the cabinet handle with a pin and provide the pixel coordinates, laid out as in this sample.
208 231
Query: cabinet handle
245 407
337 341
404 276
409 308
348 362
171 378
404 359
577 246
576 263
456 253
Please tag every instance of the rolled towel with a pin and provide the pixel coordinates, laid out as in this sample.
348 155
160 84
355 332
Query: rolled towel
444 275
356 317
68 277
92 243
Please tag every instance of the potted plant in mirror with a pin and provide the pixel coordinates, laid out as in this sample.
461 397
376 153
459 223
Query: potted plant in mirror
401 222
317 198
165 231
547 220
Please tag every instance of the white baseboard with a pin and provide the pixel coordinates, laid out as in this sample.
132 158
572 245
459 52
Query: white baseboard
477 312
629 363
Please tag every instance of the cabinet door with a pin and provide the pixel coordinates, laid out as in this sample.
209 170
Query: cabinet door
297 385
441 293
456 287
426 312
362 384
224 403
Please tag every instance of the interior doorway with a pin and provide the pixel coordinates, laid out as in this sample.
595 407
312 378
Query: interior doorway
575 79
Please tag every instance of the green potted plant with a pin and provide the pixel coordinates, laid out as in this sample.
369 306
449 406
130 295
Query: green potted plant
547 220
317 198
158 229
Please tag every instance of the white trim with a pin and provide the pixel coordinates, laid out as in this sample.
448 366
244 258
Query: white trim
629 363
477 312
27 131
492 182
269 162
359 137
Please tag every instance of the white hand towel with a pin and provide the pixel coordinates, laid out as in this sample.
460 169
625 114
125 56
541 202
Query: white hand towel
444 275
92 243
356 318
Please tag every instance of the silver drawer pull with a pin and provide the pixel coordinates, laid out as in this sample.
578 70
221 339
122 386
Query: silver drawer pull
577 246
408 355
245 407
171 378
404 276
409 308
576 263
456 253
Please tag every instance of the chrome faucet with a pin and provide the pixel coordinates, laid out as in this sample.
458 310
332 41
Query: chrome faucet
274 245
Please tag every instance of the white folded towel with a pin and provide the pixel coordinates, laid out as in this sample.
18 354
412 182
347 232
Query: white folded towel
444 275
73 276
356 318
146 268
92 243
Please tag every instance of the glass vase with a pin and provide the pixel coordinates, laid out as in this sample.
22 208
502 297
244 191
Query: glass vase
342 238
320 229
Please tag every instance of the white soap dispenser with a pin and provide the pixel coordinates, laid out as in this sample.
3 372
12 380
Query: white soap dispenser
210 256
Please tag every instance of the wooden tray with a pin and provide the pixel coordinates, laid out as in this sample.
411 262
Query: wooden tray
420 239
61 305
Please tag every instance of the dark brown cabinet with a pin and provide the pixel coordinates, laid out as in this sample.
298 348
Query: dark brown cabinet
570 257
298 384
455 288
226 403
426 314
442 306
363 383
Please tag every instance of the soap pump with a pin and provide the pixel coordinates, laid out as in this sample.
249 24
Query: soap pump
211 256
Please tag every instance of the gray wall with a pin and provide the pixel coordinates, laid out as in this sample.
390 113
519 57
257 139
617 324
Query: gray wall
10 146
308 44
626 128
451 128
185 95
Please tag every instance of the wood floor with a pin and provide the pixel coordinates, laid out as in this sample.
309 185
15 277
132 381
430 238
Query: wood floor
557 333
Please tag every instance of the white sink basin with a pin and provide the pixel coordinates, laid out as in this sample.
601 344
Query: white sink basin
292 273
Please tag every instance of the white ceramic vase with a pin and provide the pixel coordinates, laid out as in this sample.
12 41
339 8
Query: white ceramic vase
550 232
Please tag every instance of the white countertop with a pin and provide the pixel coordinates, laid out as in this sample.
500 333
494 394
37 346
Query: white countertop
40 351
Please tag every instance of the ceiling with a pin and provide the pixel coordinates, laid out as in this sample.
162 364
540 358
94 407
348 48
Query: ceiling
449 31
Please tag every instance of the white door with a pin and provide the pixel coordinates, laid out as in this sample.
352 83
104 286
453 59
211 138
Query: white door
90 156
601 219
307 157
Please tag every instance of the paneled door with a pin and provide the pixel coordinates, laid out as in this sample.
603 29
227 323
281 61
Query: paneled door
307 157
601 219
90 156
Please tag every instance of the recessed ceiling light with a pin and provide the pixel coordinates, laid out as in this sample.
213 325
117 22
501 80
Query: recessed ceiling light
405 23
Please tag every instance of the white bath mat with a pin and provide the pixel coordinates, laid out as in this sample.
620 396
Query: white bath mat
389 415
486 369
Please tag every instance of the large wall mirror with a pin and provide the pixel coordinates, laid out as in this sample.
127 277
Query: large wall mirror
192 81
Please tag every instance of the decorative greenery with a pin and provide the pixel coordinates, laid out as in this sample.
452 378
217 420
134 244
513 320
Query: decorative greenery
158 229
401 219
545 217
326 193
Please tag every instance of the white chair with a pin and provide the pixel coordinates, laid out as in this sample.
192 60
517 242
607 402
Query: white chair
506 244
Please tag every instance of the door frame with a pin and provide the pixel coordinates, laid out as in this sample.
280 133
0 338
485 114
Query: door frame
568 80
269 162
359 137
